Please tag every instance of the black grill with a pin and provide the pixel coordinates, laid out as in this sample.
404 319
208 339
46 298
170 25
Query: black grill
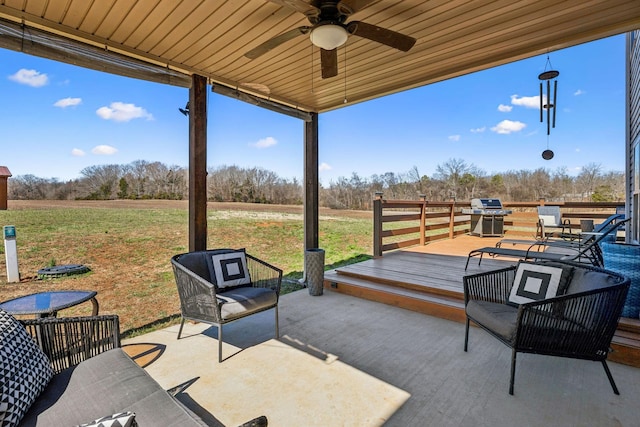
487 217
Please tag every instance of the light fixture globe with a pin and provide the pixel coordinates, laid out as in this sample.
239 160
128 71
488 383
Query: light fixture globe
328 36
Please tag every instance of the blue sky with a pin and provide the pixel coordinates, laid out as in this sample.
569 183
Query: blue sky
58 119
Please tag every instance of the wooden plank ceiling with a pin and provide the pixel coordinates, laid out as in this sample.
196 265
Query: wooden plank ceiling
210 38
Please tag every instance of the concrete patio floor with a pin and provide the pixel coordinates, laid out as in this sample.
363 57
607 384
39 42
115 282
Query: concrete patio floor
344 361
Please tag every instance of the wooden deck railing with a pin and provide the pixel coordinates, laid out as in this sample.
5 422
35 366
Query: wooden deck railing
402 223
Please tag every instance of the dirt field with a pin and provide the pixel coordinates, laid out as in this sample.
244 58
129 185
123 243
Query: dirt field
177 204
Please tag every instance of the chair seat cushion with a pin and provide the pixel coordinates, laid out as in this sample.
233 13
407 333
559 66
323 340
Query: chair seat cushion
499 318
240 302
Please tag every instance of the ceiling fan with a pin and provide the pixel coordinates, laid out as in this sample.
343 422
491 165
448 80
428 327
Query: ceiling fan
329 30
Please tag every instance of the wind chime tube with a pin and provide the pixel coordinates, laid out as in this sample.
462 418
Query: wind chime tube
548 107
555 95
540 102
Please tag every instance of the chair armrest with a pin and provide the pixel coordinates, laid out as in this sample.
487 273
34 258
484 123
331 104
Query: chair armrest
68 341
198 298
493 286
263 274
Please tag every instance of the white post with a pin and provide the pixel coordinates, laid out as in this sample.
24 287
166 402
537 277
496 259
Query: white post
11 254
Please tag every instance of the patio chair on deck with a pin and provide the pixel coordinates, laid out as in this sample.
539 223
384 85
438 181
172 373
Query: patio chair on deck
587 252
223 285
581 238
549 308
550 221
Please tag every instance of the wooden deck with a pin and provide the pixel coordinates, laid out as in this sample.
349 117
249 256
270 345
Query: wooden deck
428 279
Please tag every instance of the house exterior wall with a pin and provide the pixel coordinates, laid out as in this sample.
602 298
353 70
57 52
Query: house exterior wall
633 135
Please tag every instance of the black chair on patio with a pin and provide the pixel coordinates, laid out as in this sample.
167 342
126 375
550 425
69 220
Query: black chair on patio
220 286
560 309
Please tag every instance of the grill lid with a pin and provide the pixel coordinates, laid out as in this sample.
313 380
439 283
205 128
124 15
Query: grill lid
486 204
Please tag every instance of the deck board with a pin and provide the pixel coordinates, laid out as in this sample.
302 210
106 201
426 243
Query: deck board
438 264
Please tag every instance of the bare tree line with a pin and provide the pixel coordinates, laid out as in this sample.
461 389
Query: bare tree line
453 179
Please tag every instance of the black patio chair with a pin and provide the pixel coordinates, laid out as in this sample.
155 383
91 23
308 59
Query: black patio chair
578 322
586 252
220 286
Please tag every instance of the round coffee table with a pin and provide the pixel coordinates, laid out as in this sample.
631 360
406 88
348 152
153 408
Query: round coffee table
45 304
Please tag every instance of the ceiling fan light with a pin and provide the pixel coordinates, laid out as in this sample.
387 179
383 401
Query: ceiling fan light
328 36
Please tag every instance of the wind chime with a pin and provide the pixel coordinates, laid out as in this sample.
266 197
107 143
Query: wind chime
546 102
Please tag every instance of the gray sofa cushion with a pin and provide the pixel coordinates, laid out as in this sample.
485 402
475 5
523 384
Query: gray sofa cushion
240 301
106 384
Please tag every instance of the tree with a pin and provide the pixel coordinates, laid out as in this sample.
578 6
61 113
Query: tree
100 181
586 180
451 172
124 189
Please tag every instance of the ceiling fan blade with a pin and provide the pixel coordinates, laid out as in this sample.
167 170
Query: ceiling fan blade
352 6
329 63
301 6
276 41
381 35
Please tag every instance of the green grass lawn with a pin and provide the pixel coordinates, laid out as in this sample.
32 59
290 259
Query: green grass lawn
128 251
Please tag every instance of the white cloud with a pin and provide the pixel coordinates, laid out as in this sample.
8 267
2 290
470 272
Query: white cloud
479 130
121 112
504 108
77 152
577 150
454 138
30 78
68 102
579 92
506 127
526 101
104 150
324 167
265 142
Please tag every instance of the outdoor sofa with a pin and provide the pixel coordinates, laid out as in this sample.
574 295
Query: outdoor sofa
72 371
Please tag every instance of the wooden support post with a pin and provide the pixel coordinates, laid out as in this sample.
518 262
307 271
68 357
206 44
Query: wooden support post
452 218
377 226
311 183
423 219
198 164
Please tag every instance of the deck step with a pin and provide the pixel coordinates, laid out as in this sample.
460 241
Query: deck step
626 343
450 305
422 301
404 281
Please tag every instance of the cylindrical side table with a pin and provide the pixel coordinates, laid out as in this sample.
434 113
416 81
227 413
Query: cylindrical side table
625 259
314 270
